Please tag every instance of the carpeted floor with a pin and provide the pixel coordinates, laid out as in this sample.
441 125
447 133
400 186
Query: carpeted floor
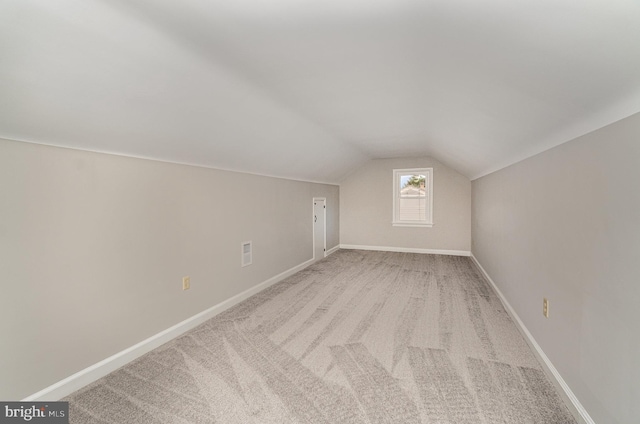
359 337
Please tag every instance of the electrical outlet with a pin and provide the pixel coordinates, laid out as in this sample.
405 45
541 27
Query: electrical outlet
545 307
186 283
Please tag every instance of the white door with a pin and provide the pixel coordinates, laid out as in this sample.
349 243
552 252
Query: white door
319 228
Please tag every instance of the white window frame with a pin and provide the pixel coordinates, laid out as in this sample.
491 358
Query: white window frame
397 174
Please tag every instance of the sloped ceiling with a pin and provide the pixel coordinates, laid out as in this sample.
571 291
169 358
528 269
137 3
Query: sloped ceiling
312 89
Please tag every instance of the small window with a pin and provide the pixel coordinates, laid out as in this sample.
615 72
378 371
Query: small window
413 197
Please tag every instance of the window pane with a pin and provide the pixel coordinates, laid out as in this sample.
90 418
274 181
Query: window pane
412 186
413 209
412 200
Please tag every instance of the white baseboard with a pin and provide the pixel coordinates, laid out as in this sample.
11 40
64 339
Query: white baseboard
574 404
332 250
407 250
94 372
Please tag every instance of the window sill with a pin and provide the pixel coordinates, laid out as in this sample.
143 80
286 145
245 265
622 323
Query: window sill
412 224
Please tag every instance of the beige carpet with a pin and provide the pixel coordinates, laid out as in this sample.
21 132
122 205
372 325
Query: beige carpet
360 337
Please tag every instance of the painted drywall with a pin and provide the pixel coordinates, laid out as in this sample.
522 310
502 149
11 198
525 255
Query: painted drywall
93 248
366 208
565 225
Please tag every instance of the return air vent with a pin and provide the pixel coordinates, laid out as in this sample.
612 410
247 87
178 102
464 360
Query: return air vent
246 253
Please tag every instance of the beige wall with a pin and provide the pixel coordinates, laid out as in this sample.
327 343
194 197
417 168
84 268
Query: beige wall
565 225
93 248
366 203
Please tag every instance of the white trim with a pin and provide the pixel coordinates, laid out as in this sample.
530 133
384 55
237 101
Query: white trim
170 161
92 373
407 224
617 112
407 250
333 250
397 173
578 410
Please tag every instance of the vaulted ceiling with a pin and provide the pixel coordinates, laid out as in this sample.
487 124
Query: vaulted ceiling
312 89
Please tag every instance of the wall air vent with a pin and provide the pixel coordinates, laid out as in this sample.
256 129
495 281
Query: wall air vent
246 253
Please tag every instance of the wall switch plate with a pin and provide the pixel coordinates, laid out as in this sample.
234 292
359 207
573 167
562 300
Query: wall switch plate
545 307
186 283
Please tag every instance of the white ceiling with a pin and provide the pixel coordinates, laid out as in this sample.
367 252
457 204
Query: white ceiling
312 89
